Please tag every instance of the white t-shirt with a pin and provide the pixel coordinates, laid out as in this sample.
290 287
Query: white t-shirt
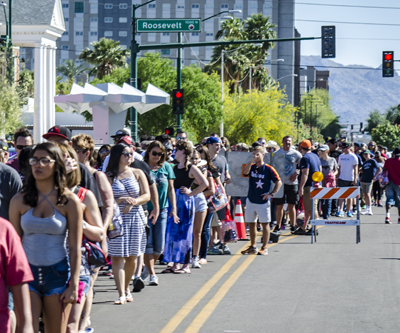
346 163
136 156
292 158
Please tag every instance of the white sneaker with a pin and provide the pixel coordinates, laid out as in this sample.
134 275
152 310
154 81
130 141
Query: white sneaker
195 263
153 280
370 212
111 276
145 274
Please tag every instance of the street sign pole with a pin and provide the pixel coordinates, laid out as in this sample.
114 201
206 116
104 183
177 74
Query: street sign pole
179 82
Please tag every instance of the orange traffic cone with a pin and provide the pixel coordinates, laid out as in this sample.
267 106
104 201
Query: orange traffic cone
240 226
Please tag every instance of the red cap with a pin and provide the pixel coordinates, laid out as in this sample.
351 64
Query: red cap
306 144
126 139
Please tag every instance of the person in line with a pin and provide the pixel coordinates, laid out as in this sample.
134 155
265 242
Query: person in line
4 154
164 177
290 183
329 170
225 145
376 186
370 171
258 204
178 239
373 147
181 135
201 208
15 274
104 151
392 165
309 164
348 176
92 230
131 191
22 138
42 214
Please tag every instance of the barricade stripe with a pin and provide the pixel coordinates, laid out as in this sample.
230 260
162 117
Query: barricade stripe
316 191
347 193
331 193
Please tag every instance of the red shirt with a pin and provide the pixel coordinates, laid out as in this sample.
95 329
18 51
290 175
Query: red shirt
14 267
14 163
393 167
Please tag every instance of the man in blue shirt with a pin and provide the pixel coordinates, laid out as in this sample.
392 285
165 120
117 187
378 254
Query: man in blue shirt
258 200
370 171
309 164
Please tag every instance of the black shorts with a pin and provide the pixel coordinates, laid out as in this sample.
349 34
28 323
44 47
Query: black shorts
290 195
344 183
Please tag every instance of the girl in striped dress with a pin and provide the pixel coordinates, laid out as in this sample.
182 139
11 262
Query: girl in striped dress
131 191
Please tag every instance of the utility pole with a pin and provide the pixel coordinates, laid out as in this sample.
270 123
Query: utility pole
221 131
179 81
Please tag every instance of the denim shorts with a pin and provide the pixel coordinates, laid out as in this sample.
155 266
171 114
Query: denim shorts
156 239
50 280
392 195
86 280
200 203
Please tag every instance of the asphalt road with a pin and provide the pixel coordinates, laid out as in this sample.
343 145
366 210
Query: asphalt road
334 285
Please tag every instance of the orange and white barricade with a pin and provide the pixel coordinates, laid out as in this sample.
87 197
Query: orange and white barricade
336 193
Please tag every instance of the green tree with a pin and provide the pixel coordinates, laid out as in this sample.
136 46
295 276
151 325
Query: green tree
387 134
70 70
106 55
375 118
203 107
316 111
393 114
25 87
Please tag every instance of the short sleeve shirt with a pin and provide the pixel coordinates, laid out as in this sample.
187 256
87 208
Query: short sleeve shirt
14 267
161 176
393 167
369 170
260 182
346 163
292 158
309 161
222 165
10 185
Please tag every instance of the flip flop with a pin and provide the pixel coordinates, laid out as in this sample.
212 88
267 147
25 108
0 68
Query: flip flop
182 271
168 270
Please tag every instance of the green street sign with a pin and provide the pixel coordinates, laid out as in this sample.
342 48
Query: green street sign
168 25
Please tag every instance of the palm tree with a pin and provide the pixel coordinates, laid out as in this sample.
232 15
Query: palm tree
106 55
70 70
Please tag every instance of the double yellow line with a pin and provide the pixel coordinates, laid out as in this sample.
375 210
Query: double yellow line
200 319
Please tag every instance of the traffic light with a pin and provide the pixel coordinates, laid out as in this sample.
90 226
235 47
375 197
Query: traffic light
169 131
361 127
387 64
328 43
352 127
177 101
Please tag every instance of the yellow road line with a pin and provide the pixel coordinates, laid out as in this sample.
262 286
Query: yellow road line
200 319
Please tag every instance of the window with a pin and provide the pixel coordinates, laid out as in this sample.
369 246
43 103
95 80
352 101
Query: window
93 8
64 47
166 51
93 33
93 19
224 6
65 33
210 34
151 37
123 33
195 6
195 34
65 5
152 6
165 34
108 33
66 19
123 6
138 34
181 7
108 6
79 7
108 20
123 20
78 33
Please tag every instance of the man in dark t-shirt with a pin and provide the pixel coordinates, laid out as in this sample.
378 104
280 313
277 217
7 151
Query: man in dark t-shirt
10 185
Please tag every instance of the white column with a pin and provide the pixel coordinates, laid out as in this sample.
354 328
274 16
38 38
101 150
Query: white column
39 121
51 87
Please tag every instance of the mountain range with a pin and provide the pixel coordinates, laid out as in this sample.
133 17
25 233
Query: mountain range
357 89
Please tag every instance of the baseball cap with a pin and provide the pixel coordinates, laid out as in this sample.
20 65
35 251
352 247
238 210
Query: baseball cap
127 140
323 148
121 132
357 144
168 146
306 144
58 130
345 145
3 145
332 141
367 152
396 151
212 139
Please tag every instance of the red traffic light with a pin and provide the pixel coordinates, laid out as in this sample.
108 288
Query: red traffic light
167 131
388 57
178 94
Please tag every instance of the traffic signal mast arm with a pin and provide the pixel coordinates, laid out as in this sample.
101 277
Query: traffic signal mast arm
183 45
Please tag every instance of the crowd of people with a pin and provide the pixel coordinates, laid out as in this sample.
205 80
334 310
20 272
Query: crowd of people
60 199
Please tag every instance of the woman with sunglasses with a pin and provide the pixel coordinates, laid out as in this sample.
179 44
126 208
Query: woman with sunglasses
163 175
179 236
104 151
131 191
42 214
372 147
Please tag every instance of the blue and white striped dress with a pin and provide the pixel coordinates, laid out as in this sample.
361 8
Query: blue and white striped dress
133 242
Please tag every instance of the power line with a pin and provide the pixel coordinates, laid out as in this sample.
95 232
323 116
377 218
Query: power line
362 23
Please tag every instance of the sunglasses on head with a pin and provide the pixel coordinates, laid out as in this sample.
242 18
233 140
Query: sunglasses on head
157 154
127 154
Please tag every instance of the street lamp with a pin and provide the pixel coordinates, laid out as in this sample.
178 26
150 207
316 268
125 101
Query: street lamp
232 11
294 75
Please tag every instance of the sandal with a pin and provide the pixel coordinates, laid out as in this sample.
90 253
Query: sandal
128 296
183 271
203 261
120 301
168 270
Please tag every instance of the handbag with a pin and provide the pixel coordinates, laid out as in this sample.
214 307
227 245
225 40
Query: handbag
95 254
229 229
217 201
383 178
115 229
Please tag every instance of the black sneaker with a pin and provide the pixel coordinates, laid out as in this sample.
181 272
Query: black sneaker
276 228
292 228
299 231
138 285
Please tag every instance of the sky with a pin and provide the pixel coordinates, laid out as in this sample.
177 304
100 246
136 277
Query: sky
360 44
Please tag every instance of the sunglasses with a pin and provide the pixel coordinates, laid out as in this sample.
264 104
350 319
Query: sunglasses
157 154
180 138
20 147
104 152
371 145
127 154
263 143
43 161
201 151
80 150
